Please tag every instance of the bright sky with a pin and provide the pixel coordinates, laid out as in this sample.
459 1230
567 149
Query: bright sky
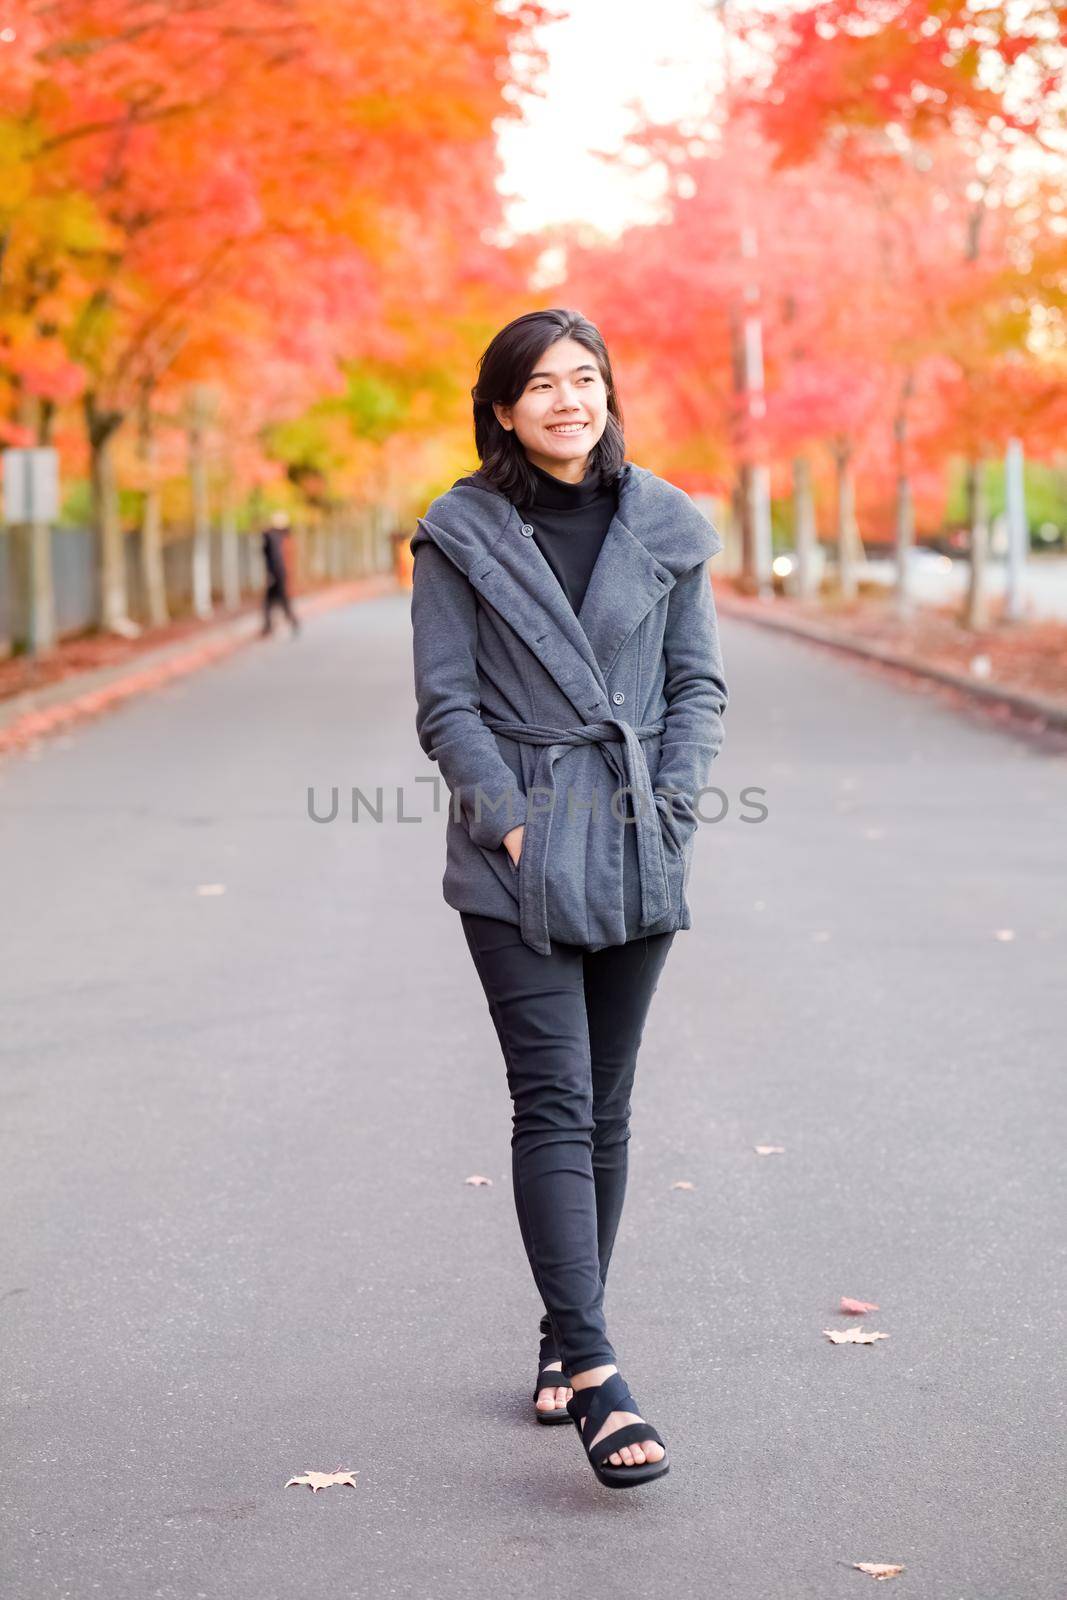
665 55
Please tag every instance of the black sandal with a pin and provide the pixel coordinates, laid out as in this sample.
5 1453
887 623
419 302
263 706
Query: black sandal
550 1380
592 1407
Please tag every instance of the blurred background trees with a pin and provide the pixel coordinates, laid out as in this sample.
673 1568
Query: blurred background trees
251 253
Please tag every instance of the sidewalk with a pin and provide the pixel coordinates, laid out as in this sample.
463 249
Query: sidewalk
143 666
1020 667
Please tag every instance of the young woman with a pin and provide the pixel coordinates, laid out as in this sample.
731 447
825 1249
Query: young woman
569 684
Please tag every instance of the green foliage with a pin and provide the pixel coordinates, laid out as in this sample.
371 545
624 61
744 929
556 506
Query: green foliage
375 403
1046 494
77 507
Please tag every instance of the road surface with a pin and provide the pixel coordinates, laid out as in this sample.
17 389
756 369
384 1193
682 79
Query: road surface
247 1067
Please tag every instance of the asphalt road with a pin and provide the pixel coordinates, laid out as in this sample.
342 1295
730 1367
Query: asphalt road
236 1126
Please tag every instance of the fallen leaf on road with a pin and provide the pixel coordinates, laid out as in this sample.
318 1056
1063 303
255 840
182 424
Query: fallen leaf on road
683 1183
477 1178
769 1149
877 1569
856 1307
322 1480
853 1335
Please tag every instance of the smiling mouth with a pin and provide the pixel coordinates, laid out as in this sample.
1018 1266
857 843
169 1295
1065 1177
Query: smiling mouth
566 427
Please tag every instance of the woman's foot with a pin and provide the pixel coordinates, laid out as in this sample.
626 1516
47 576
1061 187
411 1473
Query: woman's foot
631 1455
553 1399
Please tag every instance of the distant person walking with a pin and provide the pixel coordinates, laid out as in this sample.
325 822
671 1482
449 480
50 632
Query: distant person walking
277 590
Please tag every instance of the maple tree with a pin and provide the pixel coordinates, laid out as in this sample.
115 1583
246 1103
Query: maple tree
671 297
844 69
265 237
967 100
235 194
906 261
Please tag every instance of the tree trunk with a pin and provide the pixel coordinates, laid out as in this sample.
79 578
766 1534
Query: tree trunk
1018 529
230 540
335 556
153 572
743 502
112 595
201 508
760 489
742 493
361 520
847 532
905 540
905 503
298 563
805 533
315 545
33 584
976 607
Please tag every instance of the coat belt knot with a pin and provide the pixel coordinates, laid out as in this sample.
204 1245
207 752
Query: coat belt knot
621 742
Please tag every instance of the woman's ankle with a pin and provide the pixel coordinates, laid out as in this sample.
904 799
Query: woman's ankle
591 1376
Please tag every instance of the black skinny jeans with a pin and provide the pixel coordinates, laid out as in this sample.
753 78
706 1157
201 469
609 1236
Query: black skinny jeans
569 1024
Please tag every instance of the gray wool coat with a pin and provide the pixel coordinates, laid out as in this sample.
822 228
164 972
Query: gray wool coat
596 731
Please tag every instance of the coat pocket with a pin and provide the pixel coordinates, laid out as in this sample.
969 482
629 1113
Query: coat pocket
677 859
669 828
500 864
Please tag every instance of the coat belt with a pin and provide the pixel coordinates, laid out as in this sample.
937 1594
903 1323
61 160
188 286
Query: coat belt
630 764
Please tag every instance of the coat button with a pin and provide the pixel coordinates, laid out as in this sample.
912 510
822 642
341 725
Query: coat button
618 697
526 530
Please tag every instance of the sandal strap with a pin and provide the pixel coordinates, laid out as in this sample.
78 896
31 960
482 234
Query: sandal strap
551 1380
593 1406
632 1433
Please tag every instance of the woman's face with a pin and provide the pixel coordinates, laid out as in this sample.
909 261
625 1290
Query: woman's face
562 410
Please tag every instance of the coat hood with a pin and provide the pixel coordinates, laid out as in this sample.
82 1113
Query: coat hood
655 536
469 519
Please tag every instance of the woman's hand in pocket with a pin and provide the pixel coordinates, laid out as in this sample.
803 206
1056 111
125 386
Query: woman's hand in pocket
513 844
668 826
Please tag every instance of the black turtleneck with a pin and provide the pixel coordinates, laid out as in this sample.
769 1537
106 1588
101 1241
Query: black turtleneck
569 522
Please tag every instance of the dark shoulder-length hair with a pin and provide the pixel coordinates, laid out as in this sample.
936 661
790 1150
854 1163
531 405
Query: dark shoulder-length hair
503 371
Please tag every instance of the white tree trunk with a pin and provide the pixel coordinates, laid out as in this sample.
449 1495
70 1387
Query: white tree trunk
976 607
847 532
153 572
805 533
201 506
230 542
113 607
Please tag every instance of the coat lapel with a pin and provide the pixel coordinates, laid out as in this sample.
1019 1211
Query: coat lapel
656 533
526 592
625 583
